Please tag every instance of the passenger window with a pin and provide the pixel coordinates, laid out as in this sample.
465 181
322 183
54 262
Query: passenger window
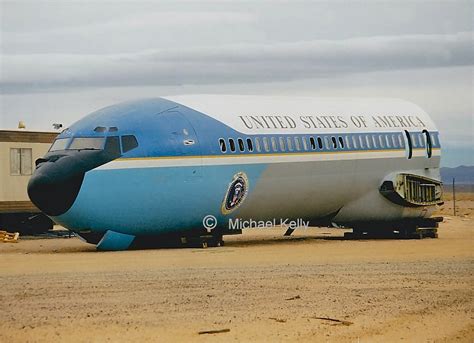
129 142
348 142
232 145
367 140
387 140
282 143
434 140
354 142
274 144
394 141
222 145
361 141
297 143
311 141
266 146
341 142
305 144
290 145
326 143
374 141
382 142
334 142
320 143
241 144
257 144
400 141
429 146
414 142
421 140
249 145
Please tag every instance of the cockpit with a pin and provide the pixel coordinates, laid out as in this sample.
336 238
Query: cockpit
111 144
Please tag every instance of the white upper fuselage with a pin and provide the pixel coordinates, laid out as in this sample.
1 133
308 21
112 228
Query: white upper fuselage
306 115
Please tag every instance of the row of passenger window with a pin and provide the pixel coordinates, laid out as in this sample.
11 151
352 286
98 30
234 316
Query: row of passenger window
305 143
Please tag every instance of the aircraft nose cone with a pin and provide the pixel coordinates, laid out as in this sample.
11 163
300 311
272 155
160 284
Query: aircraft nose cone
52 189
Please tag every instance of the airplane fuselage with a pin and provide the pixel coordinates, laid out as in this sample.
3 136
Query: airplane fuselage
159 166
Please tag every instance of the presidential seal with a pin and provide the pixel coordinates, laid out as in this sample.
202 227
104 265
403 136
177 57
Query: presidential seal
236 193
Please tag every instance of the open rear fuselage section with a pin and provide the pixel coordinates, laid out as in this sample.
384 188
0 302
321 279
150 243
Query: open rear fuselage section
171 162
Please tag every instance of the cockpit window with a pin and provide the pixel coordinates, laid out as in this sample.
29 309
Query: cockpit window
81 143
112 145
59 144
129 142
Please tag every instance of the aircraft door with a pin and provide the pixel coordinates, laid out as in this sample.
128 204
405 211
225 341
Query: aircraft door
408 144
180 140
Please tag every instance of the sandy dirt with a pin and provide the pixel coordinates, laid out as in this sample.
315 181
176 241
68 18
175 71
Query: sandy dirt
259 287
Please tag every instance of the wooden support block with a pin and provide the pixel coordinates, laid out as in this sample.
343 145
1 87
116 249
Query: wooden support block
7 237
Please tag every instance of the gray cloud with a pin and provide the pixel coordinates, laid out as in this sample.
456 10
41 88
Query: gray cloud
237 63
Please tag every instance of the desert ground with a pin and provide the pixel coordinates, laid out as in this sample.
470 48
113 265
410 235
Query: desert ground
314 286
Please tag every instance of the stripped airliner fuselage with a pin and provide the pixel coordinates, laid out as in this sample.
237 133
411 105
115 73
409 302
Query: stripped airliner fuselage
159 166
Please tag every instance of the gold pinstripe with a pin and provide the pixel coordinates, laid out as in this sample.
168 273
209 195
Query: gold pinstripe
259 155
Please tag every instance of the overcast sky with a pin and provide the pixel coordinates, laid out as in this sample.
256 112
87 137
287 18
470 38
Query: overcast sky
62 60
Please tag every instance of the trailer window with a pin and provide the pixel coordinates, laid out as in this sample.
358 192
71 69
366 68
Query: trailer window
59 144
20 161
